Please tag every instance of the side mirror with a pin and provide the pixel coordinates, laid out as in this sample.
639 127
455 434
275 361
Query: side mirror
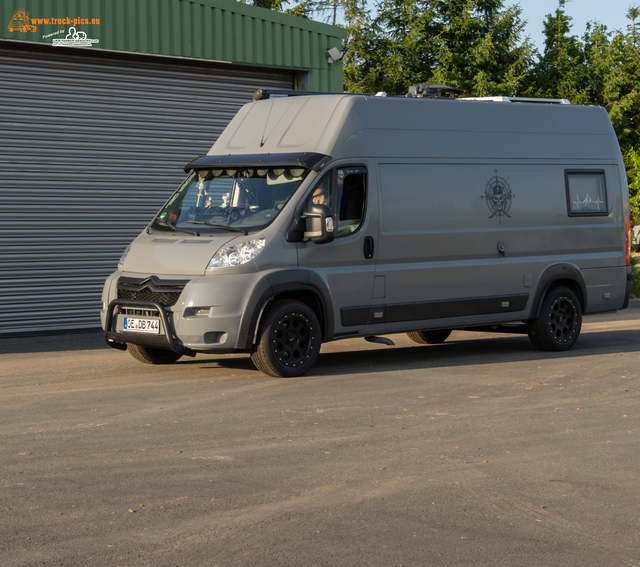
320 224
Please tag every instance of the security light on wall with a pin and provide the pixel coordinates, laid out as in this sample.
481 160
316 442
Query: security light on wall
334 54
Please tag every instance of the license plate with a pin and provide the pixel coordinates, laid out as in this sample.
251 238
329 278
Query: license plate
142 325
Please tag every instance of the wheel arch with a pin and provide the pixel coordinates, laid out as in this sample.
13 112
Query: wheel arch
297 285
568 275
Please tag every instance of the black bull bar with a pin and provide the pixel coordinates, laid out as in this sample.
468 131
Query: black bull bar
118 340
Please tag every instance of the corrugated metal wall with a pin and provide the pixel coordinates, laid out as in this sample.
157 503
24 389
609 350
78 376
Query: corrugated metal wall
223 30
90 147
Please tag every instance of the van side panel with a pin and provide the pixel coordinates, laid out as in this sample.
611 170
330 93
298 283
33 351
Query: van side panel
605 287
459 231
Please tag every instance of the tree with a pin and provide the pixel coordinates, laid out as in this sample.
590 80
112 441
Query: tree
470 44
622 100
598 61
479 47
622 86
406 48
561 69
362 63
632 163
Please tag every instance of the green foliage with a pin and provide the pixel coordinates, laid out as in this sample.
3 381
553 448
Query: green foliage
635 285
479 47
470 44
598 61
303 10
621 96
632 163
561 70
405 49
362 69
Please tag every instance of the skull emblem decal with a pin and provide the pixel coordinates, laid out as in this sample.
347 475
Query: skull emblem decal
498 197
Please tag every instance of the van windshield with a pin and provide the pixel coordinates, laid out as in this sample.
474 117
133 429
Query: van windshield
233 199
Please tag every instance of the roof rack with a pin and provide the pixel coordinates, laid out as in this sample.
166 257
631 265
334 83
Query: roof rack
518 99
422 90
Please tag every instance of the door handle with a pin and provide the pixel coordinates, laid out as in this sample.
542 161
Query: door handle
368 247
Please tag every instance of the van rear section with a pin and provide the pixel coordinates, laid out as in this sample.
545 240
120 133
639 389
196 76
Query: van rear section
320 217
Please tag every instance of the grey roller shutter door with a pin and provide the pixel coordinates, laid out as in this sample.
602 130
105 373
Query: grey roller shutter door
90 148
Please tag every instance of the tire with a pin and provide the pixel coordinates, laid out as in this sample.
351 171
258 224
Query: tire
429 337
558 326
152 355
288 341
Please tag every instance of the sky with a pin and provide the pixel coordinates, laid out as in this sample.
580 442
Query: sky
611 13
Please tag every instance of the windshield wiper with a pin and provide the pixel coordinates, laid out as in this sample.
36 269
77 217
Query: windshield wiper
164 222
219 225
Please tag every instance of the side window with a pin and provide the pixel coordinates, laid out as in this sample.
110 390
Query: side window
586 193
343 190
322 194
352 183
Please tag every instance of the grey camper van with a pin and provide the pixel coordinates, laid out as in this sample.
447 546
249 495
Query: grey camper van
320 217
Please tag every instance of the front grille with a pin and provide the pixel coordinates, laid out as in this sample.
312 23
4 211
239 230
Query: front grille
164 292
131 312
163 298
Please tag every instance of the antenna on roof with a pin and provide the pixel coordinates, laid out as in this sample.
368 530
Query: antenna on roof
431 90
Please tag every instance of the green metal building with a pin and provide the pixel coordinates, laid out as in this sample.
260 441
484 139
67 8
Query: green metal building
102 102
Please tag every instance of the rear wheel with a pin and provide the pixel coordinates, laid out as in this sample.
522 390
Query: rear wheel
152 355
429 337
289 340
559 323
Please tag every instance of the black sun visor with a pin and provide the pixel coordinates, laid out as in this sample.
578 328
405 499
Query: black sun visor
312 161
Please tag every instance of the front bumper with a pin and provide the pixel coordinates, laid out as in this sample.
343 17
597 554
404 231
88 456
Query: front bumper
165 339
214 314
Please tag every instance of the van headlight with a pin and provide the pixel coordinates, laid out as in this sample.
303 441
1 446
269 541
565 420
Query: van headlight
124 255
237 254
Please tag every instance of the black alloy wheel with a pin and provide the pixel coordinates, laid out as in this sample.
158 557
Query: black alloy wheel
289 341
558 326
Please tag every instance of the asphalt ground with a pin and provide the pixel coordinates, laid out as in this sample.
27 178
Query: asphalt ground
479 451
